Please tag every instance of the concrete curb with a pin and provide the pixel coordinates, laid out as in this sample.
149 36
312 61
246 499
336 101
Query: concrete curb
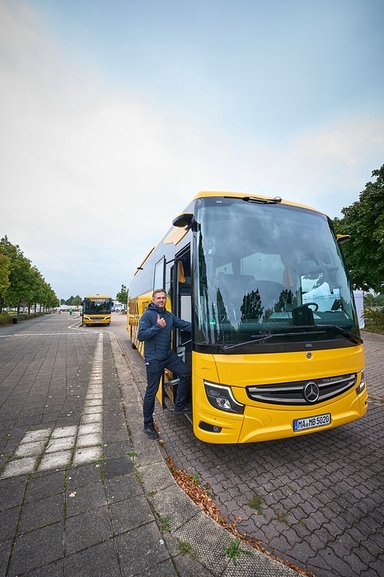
187 522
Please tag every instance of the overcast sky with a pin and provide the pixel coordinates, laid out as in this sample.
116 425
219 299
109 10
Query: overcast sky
114 113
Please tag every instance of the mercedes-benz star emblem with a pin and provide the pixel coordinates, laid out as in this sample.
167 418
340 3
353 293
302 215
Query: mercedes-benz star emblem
311 392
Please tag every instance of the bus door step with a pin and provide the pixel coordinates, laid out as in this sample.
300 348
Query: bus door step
172 383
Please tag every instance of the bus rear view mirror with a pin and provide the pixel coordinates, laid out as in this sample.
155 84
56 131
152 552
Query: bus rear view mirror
183 220
342 238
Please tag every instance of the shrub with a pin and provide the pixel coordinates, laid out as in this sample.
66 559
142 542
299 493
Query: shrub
374 319
6 318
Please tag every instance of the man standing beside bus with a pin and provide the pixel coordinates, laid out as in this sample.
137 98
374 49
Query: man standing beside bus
155 330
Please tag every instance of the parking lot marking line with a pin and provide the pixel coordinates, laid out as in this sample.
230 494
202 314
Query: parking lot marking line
50 448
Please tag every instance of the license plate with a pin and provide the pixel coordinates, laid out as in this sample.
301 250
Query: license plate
312 422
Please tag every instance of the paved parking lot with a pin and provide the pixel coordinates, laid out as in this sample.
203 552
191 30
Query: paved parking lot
315 502
320 498
83 491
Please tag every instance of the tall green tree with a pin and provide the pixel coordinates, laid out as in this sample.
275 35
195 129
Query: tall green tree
36 289
364 221
5 267
21 284
122 295
50 297
19 276
76 301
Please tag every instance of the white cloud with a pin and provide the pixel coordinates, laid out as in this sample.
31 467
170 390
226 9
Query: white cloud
93 176
325 167
333 164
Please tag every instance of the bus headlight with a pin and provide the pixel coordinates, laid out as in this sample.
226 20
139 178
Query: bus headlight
361 386
221 397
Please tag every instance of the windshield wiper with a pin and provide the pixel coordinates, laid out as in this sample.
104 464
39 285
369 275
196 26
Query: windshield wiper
267 337
321 330
263 200
347 334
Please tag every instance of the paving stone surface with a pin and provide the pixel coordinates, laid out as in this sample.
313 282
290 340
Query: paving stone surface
321 496
83 491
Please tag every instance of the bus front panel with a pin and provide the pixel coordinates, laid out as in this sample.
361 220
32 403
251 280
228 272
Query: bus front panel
249 398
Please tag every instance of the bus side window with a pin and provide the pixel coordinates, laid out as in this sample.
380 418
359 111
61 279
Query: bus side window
186 307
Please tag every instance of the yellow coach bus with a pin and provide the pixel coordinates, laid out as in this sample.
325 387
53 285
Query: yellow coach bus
275 350
97 310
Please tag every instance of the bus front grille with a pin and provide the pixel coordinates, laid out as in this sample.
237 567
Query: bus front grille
308 392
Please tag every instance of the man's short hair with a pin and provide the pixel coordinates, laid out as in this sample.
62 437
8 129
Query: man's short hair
158 291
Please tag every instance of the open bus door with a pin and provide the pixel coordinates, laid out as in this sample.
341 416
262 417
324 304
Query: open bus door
181 300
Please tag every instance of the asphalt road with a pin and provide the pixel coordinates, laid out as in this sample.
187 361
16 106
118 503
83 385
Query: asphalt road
319 498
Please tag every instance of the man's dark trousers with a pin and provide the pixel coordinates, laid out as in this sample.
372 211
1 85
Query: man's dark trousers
154 373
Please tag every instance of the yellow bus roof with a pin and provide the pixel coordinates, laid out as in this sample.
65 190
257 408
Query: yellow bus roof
207 193
97 296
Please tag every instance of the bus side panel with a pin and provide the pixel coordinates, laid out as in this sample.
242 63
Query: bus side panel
136 307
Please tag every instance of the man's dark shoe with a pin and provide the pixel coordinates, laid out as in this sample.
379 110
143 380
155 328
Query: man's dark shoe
151 431
183 411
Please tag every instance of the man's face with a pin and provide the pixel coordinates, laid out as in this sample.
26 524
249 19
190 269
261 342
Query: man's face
159 300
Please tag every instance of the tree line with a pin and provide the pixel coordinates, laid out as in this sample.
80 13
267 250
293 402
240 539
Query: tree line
21 283
364 222
76 301
72 301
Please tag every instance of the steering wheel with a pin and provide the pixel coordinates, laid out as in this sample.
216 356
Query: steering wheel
314 305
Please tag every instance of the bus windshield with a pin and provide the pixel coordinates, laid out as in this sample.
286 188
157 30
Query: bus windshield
93 305
268 272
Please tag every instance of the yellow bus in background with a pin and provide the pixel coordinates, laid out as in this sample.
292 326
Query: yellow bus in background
97 310
275 350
